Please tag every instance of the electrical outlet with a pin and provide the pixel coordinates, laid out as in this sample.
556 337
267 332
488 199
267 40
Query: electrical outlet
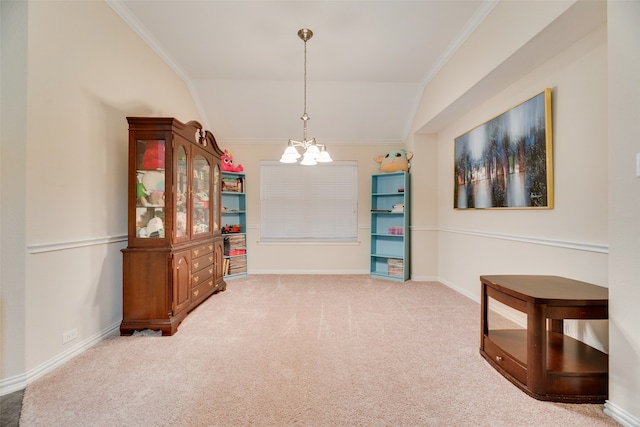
70 335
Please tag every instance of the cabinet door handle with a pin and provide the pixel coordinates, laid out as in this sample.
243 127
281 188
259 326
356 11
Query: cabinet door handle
498 358
196 264
196 292
196 252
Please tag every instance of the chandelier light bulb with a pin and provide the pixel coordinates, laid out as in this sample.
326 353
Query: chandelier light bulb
324 156
308 161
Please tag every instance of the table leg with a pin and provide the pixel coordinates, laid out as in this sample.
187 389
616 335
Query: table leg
484 327
536 347
557 325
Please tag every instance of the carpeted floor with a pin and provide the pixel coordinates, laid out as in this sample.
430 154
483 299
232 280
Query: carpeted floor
298 350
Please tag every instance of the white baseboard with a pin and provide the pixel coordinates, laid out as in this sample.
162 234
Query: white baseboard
458 289
424 278
13 384
266 271
19 382
620 415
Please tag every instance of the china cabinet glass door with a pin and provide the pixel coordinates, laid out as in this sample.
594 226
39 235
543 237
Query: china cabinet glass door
216 197
150 170
201 195
182 188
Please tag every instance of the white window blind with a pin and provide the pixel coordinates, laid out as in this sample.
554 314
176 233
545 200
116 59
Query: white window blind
309 202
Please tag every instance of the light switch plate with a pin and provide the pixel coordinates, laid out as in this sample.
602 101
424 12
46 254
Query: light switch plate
638 165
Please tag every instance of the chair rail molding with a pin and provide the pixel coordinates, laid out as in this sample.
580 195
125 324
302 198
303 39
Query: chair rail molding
38 248
567 244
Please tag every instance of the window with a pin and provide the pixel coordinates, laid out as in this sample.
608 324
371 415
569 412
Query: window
309 202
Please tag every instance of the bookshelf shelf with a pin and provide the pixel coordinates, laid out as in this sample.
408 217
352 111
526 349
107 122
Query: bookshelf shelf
234 225
390 226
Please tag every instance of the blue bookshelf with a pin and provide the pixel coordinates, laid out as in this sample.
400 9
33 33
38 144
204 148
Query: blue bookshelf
390 250
234 225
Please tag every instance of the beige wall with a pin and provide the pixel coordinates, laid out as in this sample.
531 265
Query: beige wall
287 258
572 238
424 207
563 235
624 209
568 240
85 71
592 233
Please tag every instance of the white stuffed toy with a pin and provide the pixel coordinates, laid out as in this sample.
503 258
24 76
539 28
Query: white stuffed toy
394 161
154 228
181 224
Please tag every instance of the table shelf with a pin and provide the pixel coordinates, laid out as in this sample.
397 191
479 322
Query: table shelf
541 360
565 354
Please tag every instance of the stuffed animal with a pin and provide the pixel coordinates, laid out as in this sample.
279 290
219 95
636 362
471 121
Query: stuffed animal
153 157
153 182
181 224
394 161
156 198
227 163
201 199
141 191
142 217
154 228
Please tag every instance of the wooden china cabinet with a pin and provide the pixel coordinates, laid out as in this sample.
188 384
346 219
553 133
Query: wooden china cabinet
173 260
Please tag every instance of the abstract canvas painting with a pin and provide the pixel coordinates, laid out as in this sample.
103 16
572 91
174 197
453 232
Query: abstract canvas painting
506 162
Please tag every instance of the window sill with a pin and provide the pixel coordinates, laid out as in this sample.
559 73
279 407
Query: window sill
308 242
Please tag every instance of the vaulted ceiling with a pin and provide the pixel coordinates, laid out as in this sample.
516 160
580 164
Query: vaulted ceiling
367 62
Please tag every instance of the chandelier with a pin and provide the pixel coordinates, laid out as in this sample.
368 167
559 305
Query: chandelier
313 152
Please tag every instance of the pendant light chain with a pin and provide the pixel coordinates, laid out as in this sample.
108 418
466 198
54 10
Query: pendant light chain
305 79
305 116
314 152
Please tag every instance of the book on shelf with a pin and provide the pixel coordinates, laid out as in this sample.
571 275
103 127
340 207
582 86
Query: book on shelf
395 266
235 244
233 184
237 265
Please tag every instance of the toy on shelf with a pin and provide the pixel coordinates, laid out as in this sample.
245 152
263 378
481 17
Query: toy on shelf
233 228
227 163
141 191
395 161
181 223
153 157
154 228
153 188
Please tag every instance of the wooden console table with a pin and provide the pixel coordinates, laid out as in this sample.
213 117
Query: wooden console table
541 360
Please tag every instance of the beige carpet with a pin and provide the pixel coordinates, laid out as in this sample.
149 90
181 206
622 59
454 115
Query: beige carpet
296 350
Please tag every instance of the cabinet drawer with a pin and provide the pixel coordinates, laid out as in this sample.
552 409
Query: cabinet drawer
202 290
201 276
202 262
505 361
201 250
